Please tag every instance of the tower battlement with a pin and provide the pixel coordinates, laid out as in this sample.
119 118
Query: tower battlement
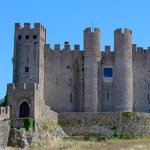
27 26
4 112
126 31
22 86
88 30
66 47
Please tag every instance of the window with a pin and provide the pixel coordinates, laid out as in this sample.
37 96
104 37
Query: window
26 69
34 36
19 37
27 36
107 96
107 72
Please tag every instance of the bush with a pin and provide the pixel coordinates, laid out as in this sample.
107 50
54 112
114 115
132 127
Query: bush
28 123
5 101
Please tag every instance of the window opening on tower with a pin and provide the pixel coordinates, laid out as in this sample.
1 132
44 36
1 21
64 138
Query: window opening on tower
26 69
107 72
19 37
27 36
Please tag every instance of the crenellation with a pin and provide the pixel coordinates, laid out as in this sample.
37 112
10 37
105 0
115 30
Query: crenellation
67 47
87 30
4 112
22 86
47 47
118 31
27 26
133 48
57 47
18 26
149 50
76 47
107 49
127 31
37 26
139 49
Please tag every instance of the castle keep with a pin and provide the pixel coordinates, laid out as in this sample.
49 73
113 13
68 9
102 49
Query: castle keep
47 80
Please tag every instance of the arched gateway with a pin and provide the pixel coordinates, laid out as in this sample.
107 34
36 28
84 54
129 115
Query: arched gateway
24 110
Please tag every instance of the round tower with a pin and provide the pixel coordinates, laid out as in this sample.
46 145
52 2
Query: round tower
123 70
92 55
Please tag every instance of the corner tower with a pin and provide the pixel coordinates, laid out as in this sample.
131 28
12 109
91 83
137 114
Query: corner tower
123 70
28 62
92 55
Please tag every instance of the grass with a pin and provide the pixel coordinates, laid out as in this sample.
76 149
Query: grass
137 144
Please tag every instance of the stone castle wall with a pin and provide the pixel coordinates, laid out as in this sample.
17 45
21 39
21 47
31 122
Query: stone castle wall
4 132
63 86
4 112
4 125
105 124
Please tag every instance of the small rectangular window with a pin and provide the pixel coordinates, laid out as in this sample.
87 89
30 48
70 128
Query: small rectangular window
71 97
27 36
34 36
107 72
26 69
19 37
107 96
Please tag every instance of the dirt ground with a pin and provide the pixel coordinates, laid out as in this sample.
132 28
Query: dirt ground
138 144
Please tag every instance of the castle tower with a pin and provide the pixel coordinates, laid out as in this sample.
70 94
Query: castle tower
25 94
92 55
28 61
123 70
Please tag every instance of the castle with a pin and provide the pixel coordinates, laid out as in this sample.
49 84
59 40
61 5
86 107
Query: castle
53 80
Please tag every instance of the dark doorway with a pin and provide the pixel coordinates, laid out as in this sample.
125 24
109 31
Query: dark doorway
24 110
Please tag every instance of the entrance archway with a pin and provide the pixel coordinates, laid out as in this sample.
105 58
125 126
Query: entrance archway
24 110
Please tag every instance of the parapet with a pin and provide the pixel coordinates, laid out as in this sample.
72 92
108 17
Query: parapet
4 112
88 30
140 50
66 47
22 86
126 31
27 26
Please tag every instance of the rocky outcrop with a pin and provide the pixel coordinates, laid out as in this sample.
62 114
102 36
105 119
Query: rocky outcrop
20 138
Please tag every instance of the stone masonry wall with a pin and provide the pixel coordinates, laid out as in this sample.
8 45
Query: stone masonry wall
141 79
107 92
63 87
106 123
4 132
4 112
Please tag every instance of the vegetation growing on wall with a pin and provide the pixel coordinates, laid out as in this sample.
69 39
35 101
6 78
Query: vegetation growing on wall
126 114
28 122
5 101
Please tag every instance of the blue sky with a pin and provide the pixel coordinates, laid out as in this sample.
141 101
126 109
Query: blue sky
66 20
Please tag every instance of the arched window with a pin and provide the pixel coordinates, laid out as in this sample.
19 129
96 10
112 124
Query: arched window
24 110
